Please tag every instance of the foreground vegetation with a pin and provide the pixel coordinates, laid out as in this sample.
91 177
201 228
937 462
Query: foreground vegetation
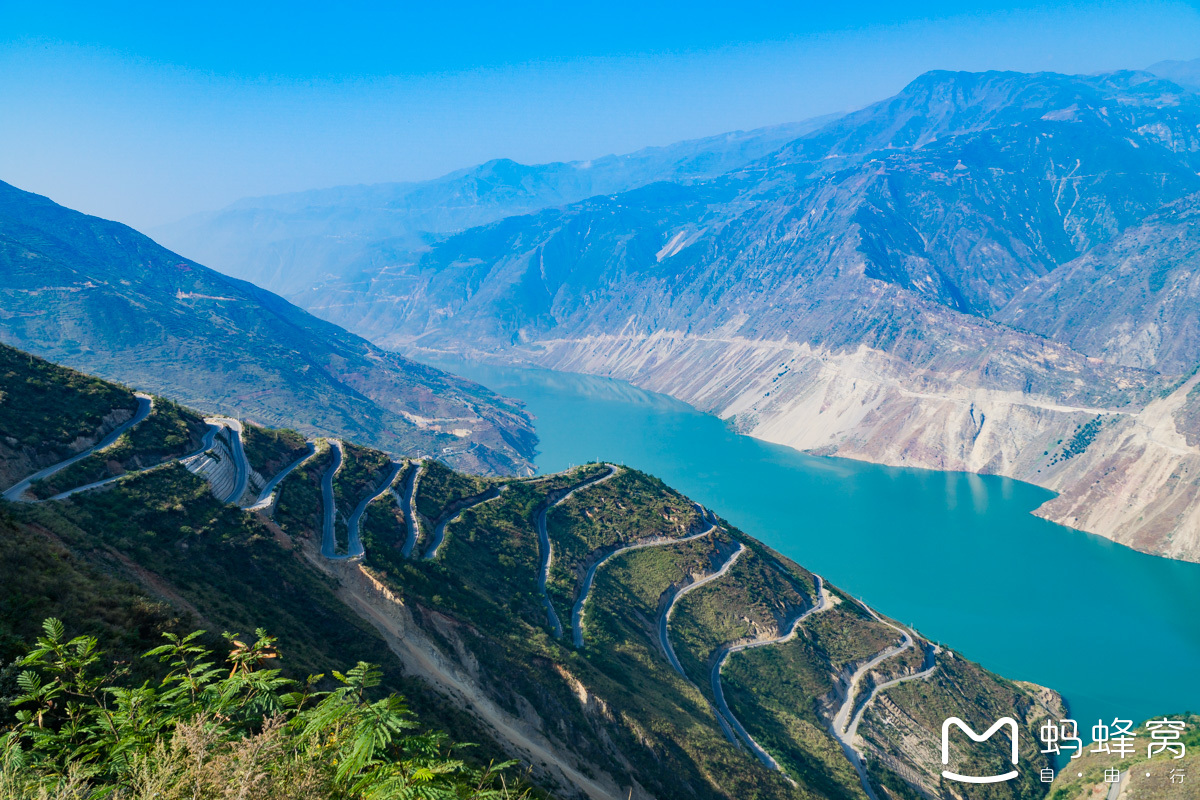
84 730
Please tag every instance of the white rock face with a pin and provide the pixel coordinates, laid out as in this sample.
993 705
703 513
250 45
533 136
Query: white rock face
1137 482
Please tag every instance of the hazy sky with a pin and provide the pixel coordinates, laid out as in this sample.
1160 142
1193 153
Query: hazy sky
154 111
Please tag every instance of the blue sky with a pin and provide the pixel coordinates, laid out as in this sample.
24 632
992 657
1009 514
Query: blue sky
153 111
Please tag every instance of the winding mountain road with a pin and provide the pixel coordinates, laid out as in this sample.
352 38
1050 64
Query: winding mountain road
657 541
266 498
845 722
241 467
328 505
547 552
206 443
439 530
823 602
665 639
14 492
354 548
408 505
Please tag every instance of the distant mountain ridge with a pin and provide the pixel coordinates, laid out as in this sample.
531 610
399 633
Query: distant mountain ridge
289 243
101 296
1185 73
838 295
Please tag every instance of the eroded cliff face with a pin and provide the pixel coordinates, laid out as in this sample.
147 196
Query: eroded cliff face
1122 470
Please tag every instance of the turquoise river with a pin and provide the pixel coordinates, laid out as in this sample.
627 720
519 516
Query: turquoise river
956 555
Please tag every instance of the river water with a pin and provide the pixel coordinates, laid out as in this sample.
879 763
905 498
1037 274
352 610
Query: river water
958 556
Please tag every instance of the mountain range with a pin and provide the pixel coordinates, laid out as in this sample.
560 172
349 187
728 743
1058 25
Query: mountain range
989 272
901 285
101 296
297 242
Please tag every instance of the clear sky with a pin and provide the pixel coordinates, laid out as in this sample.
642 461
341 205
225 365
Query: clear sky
146 112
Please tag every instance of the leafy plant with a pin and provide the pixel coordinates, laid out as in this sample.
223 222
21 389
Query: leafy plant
206 731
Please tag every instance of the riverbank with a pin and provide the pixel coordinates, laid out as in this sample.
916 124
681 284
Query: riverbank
916 544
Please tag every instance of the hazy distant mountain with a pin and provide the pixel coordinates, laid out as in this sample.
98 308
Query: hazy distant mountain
288 243
963 190
836 294
100 296
1185 73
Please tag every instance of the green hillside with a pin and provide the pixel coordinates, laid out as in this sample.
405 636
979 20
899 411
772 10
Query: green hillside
99 296
467 639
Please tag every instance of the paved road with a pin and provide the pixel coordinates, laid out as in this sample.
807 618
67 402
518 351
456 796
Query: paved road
547 551
930 667
439 530
206 444
822 604
665 640
266 498
145 404
1114 790
354 547
657 541
328 537
844 728
408 504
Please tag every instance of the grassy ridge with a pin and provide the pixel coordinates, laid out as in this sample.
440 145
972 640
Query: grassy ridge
774 691
298 509
43 577
615 708
623 509
906 717
362 470
753 600
215 556
271 449
383 527
44 408
441 487
45 405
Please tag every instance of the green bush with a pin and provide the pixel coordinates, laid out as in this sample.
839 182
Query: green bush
200 731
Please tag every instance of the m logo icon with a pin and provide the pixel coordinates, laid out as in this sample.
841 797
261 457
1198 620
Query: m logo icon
975 737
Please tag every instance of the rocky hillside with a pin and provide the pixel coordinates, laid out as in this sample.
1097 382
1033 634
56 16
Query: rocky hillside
618 639
1131 301
855 292
99 295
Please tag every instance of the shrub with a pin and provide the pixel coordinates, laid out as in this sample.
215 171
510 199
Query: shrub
204 732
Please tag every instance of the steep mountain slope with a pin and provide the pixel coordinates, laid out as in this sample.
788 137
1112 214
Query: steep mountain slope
289 243
1132 301
835 296
690 660
97 294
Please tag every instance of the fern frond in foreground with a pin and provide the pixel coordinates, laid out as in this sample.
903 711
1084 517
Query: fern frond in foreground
83 730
